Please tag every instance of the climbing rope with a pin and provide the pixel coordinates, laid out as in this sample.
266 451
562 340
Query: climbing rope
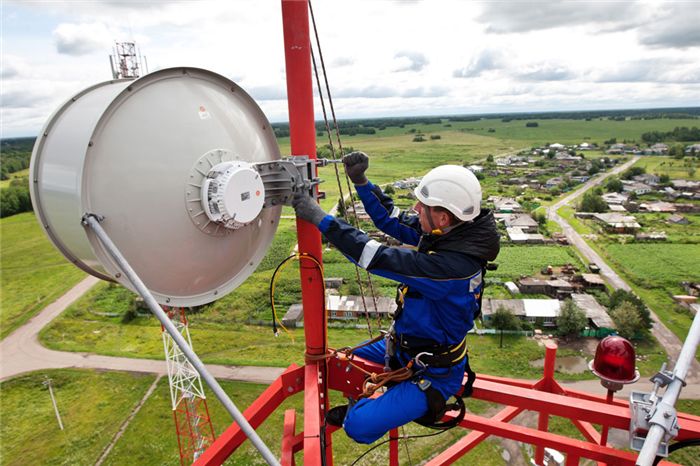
337 174
373 381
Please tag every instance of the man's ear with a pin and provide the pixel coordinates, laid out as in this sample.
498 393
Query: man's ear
444 220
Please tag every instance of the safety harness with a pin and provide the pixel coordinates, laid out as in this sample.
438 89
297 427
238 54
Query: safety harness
430 353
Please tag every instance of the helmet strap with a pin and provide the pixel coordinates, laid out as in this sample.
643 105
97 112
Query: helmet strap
434 231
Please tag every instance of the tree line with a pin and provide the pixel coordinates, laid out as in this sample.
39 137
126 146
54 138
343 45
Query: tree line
371 125
681 134
15 155
15 198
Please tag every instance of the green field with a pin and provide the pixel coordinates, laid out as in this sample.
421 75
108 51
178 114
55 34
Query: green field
656 262
686 169
92 405
529 260
16 175
33 273
563 131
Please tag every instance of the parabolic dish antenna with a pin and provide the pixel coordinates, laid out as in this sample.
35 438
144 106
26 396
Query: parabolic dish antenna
166 160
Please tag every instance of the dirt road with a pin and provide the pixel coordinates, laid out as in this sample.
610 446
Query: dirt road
21 352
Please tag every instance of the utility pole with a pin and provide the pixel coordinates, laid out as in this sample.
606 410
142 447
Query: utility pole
53 400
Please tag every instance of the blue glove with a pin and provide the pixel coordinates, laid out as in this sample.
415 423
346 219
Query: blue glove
356 163
307 209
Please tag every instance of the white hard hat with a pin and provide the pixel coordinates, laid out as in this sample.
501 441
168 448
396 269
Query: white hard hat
453 187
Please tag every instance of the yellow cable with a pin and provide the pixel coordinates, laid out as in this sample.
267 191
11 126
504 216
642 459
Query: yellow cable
296 256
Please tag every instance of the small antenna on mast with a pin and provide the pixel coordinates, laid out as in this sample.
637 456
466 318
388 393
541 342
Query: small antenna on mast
125 63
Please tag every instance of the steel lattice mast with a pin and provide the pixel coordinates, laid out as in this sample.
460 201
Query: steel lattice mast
192 421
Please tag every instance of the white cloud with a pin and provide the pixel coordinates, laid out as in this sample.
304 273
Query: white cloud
410 61
546 72
82 39
486 60
385 58
524 16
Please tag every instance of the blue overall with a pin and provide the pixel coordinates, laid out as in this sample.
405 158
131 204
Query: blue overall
443 279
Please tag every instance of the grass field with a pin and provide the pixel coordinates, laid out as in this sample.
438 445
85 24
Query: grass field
93 406
686 169
33 273
16 175
655 271
655 263
529 260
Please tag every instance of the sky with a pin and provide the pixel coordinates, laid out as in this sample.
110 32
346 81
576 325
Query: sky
383 57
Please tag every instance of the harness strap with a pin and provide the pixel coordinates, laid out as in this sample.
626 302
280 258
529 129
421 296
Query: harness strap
468 390
438 407
443 356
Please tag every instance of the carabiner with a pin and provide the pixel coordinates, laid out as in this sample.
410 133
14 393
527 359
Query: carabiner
423 366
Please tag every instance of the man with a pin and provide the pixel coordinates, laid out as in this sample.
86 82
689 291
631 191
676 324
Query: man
440 286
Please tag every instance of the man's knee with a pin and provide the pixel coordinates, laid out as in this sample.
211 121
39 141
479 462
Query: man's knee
359 424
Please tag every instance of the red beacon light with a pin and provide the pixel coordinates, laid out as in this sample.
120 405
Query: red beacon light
614 363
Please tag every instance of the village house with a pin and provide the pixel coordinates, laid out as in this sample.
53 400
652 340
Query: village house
407 183
624 148
671 193
597 315
544 312
656 149
678 220
616 208
523 221
617 222
537 311
506 205
518 236
646 178
515 181
686 185
554 182
692 149
352 307
652 236
475 169
637 188
657 206
565 158
553 288
590 281
615 198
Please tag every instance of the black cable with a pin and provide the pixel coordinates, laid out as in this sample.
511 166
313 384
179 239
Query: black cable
693 442
399 438
272 282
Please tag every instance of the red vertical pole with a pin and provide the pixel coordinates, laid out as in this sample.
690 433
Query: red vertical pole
295 15
550 358
297 52
394 447
604 432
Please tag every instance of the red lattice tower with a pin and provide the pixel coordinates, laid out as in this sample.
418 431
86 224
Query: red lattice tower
126 62
192 420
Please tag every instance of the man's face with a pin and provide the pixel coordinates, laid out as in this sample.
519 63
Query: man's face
423 213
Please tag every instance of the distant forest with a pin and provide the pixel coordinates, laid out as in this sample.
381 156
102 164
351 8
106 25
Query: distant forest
372 125
15 153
